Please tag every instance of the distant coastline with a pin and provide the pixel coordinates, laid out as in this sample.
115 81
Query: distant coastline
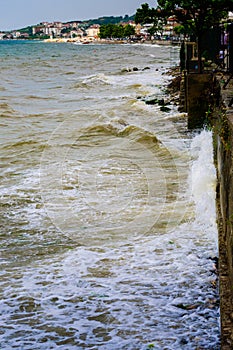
107 30
110 42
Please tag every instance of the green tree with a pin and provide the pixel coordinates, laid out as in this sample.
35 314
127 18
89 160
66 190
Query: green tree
155 16
65 30
118 31
145 14
106 31
129 31
195 16
115 31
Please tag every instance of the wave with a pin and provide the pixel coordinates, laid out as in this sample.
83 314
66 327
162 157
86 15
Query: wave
122 130
4 105
93 81
203 179
25 143
146 45
35 97
6 110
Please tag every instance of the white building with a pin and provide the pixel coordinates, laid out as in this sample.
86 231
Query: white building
16 34
93 31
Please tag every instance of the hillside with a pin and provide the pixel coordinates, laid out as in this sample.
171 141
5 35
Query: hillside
89 22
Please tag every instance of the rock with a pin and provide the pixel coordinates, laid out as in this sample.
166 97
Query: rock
161 102
146 68
174 85
135 69
165 109
125 70
188 306
152 101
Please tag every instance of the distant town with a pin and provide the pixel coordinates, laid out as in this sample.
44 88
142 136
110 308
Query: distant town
96 30
90 31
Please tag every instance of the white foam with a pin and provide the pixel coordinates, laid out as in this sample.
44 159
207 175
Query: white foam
203 179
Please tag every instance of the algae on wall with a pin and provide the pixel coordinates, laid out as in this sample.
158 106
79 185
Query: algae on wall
222 125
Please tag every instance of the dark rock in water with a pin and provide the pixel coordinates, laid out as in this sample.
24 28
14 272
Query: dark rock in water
165 109
188 306
161 102
152 101
125 70
174 85
134 69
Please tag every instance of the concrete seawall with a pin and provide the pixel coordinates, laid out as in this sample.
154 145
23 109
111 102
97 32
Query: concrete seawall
206 100
223 142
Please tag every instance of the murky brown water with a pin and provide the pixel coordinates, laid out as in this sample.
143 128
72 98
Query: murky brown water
107 204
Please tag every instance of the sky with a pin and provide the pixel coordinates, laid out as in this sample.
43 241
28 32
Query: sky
16 14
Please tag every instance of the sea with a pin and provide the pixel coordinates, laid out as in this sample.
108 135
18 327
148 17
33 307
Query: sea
107 212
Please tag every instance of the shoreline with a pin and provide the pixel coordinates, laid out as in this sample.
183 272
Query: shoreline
111 42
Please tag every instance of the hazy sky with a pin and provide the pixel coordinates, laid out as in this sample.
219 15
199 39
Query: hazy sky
15 14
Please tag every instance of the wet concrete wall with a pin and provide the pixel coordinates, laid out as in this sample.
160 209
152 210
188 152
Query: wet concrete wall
198 90
223 142
206 101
